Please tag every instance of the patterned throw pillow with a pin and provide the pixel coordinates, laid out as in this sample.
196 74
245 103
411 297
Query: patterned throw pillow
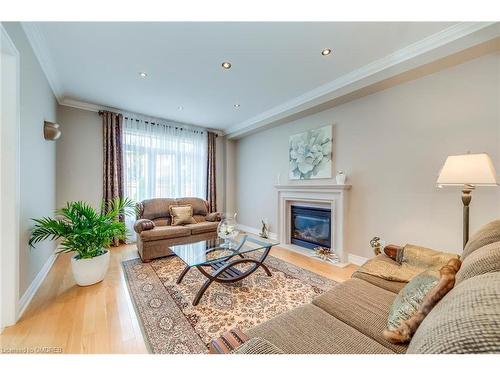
182 215
410 298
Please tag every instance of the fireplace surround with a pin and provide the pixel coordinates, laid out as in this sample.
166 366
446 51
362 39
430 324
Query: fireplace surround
334 197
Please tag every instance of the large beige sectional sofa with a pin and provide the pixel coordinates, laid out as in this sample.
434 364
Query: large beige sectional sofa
155 232
351 317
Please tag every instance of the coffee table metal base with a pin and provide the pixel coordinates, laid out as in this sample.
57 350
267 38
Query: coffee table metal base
223 271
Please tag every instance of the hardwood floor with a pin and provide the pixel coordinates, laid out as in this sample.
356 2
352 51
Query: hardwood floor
63 317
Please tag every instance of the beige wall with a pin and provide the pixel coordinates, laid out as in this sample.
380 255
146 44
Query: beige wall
230 176
37 156
79 158
392 145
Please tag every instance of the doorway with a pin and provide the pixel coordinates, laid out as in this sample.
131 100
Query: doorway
9 179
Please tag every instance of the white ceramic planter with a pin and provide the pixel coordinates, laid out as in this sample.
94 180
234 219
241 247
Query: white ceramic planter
90 271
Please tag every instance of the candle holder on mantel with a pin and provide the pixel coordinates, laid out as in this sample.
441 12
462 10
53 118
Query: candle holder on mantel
326 254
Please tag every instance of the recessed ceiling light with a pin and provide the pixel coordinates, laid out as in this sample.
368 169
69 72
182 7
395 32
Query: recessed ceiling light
180 108
226 65
236 106
326 52
143 75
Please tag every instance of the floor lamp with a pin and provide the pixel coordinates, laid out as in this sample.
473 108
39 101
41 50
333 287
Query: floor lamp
468 171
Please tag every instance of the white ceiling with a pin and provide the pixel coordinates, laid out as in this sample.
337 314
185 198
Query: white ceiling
272 63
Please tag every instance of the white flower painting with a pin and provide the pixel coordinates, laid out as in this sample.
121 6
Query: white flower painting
310 154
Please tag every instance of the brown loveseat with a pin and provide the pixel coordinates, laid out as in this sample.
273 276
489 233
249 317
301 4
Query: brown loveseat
155 234
351 317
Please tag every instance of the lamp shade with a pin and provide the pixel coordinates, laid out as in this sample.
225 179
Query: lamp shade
468 169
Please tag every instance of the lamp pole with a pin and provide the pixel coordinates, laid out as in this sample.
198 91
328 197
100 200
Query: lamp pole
466 198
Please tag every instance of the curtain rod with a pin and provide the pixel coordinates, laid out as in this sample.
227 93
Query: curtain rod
156 123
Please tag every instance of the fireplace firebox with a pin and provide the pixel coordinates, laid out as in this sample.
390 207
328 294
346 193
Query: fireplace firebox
310 226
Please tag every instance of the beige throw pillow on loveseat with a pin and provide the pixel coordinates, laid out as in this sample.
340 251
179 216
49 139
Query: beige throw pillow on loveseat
182 215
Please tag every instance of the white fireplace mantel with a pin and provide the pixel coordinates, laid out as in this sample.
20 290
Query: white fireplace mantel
311 186
334 196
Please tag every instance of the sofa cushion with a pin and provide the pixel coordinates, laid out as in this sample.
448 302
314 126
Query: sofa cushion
156 208
199 218
467 320
308 329
203 227
487 234
199 205
391 286
361 305
484 260
159 233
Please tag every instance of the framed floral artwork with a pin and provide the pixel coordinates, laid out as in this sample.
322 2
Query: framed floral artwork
310 154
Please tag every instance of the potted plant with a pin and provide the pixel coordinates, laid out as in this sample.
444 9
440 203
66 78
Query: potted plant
86 232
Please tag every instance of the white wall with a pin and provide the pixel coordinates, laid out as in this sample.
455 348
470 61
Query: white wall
80 157
37 157
392 145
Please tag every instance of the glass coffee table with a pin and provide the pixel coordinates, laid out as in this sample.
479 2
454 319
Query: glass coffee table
216 261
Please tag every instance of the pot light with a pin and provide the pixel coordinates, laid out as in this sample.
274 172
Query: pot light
226 65
326 52
237 106
180 108
143 75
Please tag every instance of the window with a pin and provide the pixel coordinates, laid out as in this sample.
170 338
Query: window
163 161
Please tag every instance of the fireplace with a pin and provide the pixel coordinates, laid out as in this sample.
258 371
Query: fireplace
310 226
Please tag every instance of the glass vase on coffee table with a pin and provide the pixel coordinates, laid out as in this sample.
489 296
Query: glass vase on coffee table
227 230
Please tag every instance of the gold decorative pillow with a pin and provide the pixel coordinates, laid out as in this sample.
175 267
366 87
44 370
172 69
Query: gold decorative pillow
182 215
410 261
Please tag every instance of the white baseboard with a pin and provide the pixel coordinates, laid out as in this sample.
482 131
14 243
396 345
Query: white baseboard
356 259
272 236
25 300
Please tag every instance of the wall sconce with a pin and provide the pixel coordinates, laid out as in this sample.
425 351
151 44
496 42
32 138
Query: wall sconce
51 131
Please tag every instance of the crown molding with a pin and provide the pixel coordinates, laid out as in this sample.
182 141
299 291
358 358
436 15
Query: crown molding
86 105
92 107
42 53
365 75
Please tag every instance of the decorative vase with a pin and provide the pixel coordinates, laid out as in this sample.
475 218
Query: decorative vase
264 231
340 177
227 229
90 271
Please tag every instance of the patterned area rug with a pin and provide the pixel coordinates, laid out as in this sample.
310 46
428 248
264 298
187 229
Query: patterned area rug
172 325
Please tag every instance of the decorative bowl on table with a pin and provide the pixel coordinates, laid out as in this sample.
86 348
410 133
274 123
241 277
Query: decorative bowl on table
227 229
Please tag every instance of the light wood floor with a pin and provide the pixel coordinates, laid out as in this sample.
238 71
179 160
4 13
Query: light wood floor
101 318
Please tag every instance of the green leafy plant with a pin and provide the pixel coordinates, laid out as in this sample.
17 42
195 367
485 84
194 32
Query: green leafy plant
83 229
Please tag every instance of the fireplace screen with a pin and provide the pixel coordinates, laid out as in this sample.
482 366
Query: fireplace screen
311 226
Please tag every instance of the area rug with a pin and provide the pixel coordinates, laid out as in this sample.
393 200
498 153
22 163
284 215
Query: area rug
172 325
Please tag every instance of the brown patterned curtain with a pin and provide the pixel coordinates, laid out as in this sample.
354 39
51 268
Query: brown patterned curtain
112 124
211 185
